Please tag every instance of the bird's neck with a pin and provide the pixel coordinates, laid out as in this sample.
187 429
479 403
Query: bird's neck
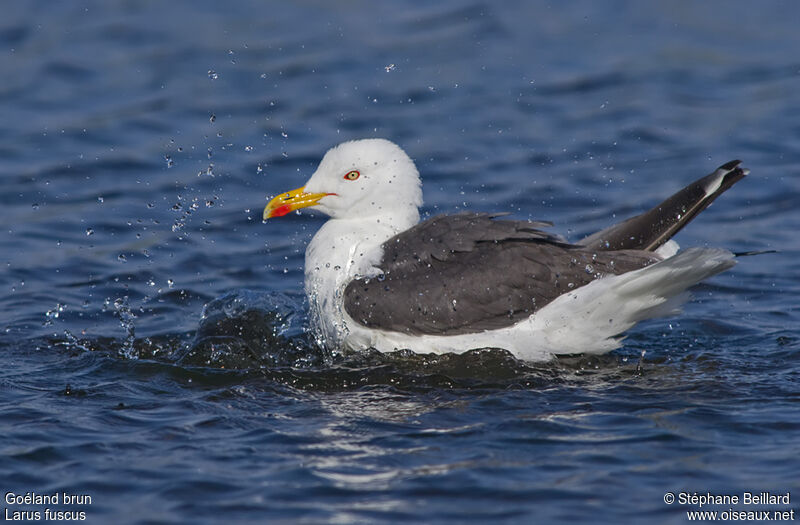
341 250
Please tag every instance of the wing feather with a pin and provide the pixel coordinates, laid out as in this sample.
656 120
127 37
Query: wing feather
469 272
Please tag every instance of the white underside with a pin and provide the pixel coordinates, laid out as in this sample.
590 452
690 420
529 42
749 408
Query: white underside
589 320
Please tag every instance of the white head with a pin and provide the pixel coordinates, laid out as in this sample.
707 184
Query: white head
358 179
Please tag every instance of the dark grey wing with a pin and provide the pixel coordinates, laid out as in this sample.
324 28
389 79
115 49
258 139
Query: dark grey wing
444 235
653 228
467 273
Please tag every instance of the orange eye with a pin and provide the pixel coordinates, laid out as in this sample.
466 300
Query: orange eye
352 175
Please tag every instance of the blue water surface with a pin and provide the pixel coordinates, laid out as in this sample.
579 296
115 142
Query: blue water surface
154 353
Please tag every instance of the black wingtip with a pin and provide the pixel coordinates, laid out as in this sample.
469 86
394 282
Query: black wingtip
754 252
734 173
730 165
653 228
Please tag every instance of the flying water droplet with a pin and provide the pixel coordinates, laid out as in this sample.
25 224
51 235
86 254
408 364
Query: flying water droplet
212 74
53 314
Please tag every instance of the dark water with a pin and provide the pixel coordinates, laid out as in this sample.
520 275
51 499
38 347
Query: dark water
139 140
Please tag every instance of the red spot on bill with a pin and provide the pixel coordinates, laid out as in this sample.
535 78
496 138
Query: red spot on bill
280 211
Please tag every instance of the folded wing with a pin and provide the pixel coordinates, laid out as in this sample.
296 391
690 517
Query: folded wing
470 272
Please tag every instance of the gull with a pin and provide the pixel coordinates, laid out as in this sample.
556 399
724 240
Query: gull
377 277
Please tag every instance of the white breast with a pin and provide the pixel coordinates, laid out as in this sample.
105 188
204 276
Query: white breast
342 250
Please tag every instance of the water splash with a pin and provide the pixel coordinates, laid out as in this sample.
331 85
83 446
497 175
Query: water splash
126 317
247 329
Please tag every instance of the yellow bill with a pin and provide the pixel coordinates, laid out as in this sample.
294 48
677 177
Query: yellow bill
290 201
